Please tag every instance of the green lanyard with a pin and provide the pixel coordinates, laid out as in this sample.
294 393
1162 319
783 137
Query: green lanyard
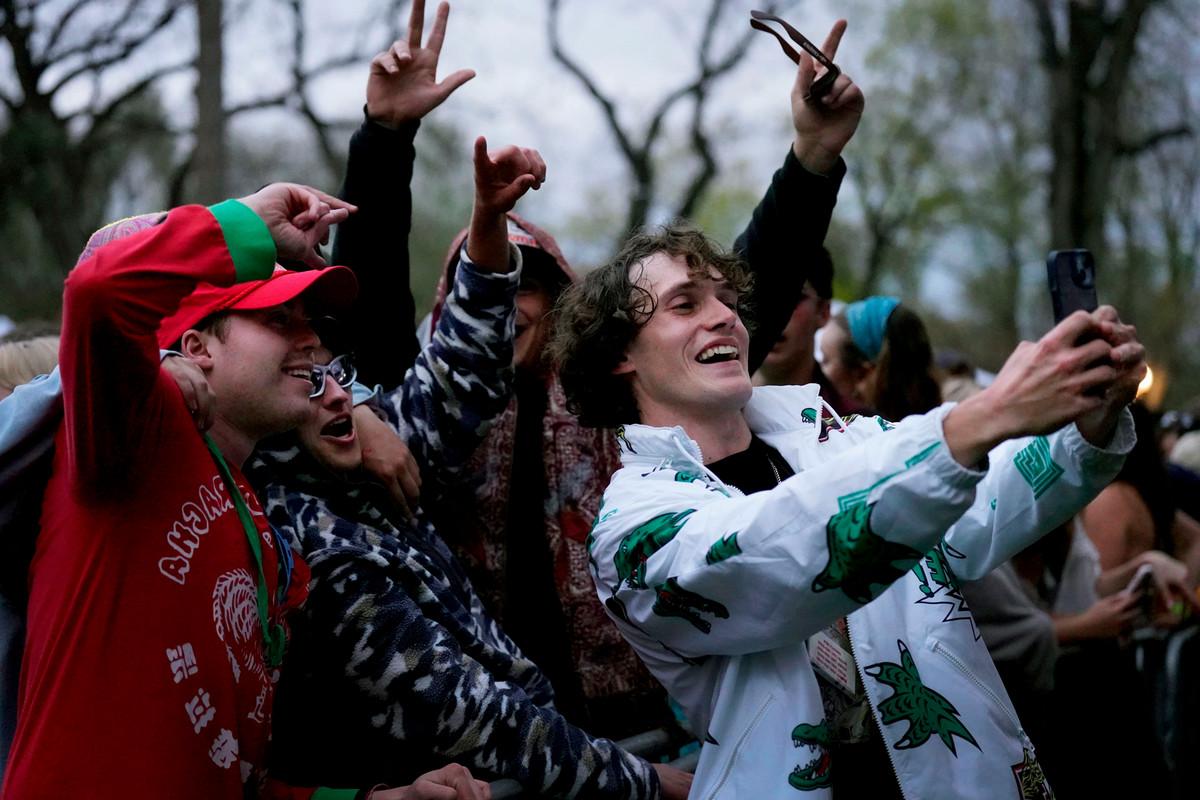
274 635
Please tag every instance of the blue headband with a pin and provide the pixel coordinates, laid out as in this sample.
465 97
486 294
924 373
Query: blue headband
868 322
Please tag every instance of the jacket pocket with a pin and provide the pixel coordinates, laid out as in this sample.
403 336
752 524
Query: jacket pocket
727 768
957 664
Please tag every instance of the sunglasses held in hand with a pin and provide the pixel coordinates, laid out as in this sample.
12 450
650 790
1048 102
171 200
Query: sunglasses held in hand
822 85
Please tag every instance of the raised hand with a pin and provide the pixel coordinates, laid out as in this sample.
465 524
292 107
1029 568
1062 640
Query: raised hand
1128 358
501 179
823 127
298 218
1041 387
387 458
403 84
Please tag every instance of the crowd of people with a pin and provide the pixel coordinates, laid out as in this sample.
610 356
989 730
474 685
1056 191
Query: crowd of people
267 534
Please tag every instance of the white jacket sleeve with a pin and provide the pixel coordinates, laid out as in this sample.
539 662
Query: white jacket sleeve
705 573
1033 486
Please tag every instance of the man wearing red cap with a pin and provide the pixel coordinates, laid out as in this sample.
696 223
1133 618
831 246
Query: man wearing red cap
157 589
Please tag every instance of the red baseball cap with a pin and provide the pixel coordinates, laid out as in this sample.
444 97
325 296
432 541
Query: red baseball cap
332 289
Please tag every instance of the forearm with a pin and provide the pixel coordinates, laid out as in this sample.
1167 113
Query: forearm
487 240
1033 485
374 243
113 305
462 379
789 223
507 731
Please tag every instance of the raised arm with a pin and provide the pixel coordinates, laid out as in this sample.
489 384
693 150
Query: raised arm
402 88
1035 484
793 217
115 299
463 378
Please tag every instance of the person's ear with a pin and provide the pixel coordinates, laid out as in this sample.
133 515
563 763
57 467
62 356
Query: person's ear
195 345
623 367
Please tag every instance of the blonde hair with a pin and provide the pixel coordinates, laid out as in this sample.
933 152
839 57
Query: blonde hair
21 362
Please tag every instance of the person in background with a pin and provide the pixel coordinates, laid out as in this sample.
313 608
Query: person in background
793 358
23 360
1137 512
876 353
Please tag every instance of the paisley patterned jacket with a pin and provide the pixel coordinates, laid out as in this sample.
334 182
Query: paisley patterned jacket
395 667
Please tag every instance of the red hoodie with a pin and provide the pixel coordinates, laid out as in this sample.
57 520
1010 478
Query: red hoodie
144 671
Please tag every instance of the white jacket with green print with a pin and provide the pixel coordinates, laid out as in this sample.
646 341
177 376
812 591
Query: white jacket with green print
719 591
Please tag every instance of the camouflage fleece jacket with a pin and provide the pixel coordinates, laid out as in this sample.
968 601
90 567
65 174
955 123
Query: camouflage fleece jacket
395 668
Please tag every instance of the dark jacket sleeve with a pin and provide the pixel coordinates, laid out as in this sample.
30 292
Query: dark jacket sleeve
790 221
374 243
433 692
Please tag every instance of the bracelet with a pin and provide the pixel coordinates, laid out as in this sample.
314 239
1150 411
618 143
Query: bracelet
374 789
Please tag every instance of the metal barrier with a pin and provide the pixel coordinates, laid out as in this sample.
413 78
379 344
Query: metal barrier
648 745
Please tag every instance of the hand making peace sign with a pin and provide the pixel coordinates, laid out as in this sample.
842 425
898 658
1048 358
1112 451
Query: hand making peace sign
403 86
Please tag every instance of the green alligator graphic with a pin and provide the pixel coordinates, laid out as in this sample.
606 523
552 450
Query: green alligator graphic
934 569
925 711
939 586
809 415
817 773
722 549
672 600
861 563
644 541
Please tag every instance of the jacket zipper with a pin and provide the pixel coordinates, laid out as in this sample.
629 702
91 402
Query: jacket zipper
945 653
737 748
862 676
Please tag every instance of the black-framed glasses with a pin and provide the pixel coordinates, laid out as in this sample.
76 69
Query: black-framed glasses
341 369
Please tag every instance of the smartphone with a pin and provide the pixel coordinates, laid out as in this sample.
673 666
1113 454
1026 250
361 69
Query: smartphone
1072 278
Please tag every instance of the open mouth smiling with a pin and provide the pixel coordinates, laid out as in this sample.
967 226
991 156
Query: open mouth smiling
718 354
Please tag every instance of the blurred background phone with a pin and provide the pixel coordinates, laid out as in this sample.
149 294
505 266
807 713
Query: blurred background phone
1072 278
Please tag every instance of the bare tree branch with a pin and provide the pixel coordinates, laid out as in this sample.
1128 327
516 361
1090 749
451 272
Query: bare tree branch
124 49
607 107
101 116
638 152
56 34
1152 140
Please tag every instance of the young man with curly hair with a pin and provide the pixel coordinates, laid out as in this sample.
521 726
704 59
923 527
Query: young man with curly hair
791 575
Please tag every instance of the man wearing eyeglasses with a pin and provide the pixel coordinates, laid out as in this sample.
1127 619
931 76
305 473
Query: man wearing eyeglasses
157 590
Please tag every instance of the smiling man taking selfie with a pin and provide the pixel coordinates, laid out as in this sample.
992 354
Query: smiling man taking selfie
790 575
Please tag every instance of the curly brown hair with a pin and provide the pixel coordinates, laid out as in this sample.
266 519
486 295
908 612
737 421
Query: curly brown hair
600 316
